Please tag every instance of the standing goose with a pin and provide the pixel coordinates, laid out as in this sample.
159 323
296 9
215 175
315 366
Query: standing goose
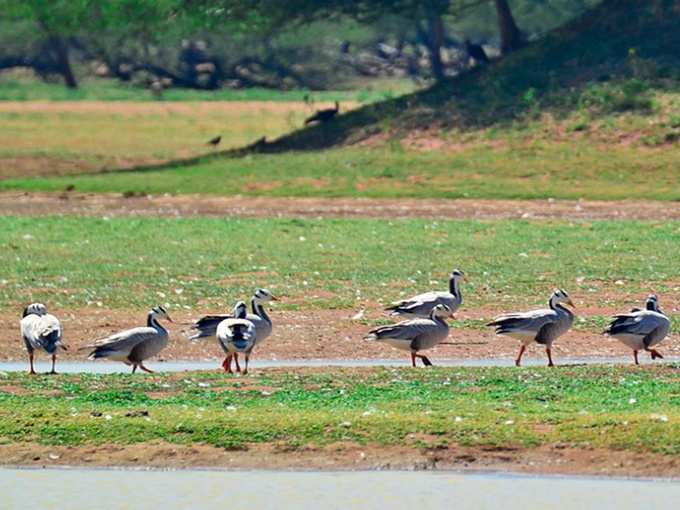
41 330
236 335
134 346
422 304
641 329
206 327
416 334
541 326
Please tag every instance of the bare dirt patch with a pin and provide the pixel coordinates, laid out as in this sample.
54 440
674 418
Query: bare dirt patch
552 459
113 204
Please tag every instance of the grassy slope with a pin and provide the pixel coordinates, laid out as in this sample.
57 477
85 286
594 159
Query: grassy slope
536 124
71 261
610 407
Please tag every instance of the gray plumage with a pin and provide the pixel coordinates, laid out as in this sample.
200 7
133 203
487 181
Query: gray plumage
422 304
206 327
542 326
41 330
134 346
641 329
415 335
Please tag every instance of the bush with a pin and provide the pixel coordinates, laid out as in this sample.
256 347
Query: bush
631 95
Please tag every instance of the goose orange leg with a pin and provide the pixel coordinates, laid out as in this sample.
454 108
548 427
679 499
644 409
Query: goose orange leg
549 353
635 355
147 370
655 354
54 361
518 360
238 367
226 364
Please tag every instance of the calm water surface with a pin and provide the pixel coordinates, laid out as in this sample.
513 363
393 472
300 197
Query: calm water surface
75 489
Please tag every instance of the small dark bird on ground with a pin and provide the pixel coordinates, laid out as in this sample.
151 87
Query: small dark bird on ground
323 116
476 51
215 141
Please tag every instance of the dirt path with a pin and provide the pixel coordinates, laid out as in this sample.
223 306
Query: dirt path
317 334
90 204
553 459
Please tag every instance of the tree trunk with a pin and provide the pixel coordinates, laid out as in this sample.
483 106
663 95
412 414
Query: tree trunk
60 47
511 37
431 35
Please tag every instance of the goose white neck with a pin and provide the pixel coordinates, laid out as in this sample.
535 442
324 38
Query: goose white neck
258 309
454 287
152 322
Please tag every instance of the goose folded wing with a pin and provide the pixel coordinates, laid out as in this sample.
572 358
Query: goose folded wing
406 330
123 342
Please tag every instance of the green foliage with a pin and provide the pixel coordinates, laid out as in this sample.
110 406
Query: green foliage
630 95
72 262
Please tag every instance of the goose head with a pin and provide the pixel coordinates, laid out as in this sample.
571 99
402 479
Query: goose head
240 310
652 303
35 308
458 274
263 295
561 296
159 312
441 312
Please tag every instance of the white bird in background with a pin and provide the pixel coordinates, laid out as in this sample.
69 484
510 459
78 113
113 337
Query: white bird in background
41 330
422 304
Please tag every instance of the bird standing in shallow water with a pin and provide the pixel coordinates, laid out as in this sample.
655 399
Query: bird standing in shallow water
41 330
134 346
641 329
415 335
542 326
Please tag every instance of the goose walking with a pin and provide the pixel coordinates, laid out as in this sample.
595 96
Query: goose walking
134 346
206 327
422 304
236 335
416 335
541 326
641 329
41 330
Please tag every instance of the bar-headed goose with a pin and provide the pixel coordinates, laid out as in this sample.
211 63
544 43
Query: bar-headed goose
541 326
422 304
416 335
134 346
236 335
206 327
641 329
41 330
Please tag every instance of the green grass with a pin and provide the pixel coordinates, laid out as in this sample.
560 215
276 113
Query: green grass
569 170
132 263
18 89
622 408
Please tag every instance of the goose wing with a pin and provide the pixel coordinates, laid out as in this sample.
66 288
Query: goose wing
42 332
406 330
526 322
239 333
206 327
641 323
422 303
121 344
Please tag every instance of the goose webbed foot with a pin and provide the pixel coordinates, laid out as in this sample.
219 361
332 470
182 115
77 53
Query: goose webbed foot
426 361
147 370
655 354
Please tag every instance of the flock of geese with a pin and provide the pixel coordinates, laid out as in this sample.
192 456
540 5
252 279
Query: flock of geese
425 327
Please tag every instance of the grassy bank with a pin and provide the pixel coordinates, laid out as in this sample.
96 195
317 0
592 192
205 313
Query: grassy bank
134 262
576 170
618 408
